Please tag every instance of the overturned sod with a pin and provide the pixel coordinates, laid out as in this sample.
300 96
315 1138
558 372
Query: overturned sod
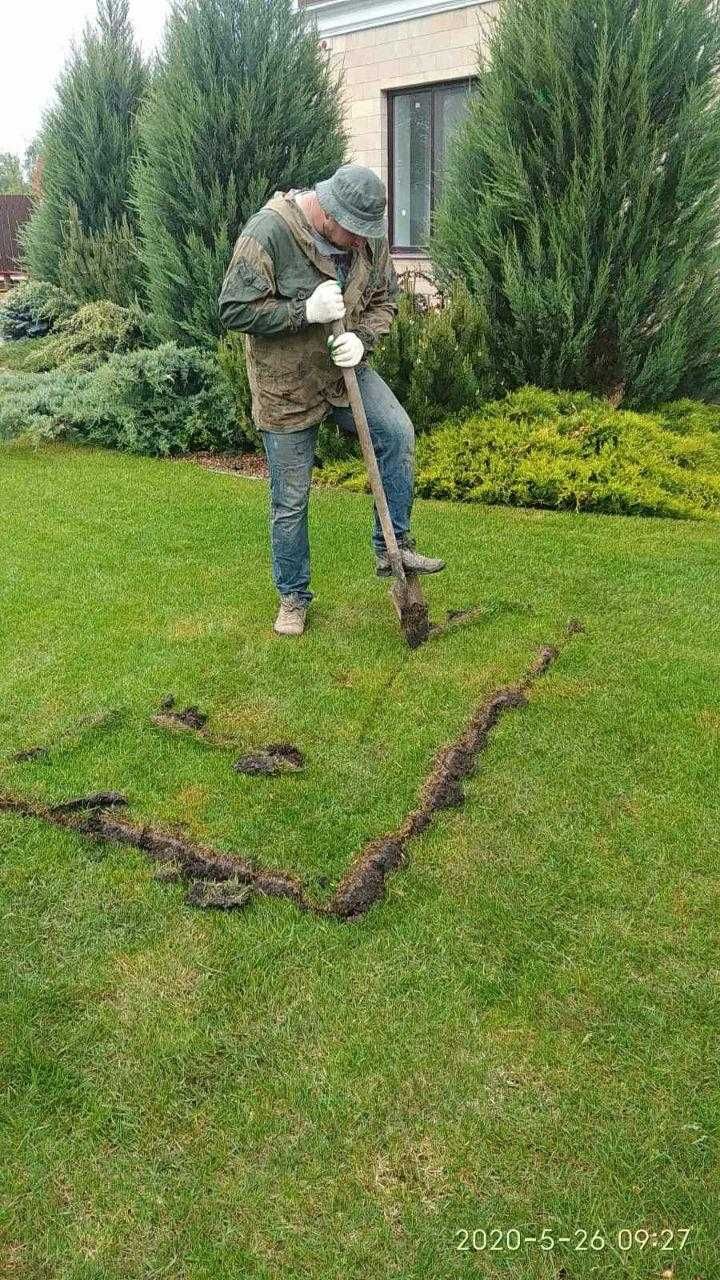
269 761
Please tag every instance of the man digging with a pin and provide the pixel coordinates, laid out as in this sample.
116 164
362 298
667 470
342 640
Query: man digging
305 259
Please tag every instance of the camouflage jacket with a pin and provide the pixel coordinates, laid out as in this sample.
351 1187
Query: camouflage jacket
275 267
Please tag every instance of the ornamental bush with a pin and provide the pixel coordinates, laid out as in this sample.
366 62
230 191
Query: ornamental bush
231 356
33 406
243 102
580 202
88 337
435 358
164 400
33 307
84 223
569 451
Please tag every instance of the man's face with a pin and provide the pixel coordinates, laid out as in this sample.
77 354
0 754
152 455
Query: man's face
337 235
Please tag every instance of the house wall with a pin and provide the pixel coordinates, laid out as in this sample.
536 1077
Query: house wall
419 50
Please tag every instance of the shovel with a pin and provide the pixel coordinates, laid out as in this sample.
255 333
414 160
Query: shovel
405 591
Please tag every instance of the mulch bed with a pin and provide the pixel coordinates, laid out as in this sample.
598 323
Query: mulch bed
252 465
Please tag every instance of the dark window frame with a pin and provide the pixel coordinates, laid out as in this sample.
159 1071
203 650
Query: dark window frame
403 250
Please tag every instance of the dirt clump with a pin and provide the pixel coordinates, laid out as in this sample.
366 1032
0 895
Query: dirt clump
190 721
170 717
192 861
269 761
97 800
196 861
415 624
364 883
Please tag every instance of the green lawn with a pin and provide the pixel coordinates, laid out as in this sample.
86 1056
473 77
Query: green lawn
522 1035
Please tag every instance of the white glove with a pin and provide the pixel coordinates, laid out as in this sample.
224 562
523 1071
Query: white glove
325 303
346 350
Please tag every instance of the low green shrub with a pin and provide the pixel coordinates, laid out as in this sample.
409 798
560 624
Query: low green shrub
33 406
435 358
163 401
85 339
32 309
568 451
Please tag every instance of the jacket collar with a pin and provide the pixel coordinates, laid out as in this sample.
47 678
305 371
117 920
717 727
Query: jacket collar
291 213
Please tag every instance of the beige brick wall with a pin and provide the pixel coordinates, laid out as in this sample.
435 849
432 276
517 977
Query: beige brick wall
441 46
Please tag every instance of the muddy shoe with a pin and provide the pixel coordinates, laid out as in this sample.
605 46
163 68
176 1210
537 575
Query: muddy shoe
412 560
291 617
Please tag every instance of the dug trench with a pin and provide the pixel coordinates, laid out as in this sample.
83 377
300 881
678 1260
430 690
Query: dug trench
226 881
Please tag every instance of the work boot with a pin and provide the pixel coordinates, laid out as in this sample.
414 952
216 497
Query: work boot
291 617
413 562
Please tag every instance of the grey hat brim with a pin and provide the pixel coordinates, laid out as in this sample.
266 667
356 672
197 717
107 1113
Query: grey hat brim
372 229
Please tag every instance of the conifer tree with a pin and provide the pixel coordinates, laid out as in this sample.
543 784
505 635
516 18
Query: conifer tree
89 144
244 103
12 179
580 203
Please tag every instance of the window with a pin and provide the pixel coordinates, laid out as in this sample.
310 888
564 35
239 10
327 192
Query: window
419 126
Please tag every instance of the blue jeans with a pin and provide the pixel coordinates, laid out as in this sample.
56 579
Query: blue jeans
290 457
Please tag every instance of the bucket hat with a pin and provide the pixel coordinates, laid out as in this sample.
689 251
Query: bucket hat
355 197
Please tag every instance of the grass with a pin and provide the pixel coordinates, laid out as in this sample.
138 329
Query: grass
523 1035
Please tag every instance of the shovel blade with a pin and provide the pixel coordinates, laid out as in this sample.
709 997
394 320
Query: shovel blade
412 610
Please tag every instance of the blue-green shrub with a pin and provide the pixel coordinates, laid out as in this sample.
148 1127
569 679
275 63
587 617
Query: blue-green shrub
34 305
161 401
34 406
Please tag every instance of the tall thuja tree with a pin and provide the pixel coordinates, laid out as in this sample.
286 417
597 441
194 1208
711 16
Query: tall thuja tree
244 103
581 198
83 230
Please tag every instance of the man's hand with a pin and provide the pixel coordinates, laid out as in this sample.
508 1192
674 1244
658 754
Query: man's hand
347 350
325 303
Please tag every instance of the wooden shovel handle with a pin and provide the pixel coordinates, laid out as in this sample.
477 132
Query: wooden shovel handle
368 451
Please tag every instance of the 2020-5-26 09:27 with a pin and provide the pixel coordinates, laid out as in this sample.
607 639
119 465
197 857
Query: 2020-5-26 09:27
496 1239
